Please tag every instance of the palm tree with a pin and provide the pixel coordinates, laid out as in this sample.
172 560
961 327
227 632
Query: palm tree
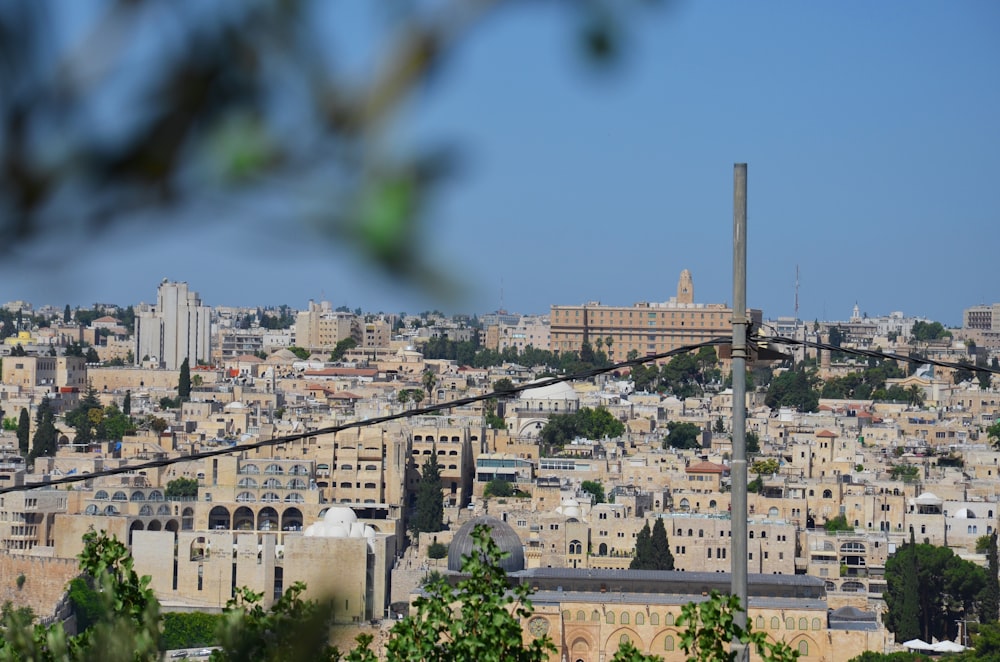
429 381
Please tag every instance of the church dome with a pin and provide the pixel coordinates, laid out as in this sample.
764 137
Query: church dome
503 535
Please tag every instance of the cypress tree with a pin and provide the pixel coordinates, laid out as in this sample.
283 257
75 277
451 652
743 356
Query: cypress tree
990 606
44 442
184 382
909 608
23 431
643 557
429 515
127 404
662 558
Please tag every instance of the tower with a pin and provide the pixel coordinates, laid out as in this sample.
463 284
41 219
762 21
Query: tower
685 288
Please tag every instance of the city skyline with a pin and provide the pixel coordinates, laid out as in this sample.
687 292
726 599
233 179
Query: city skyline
867 129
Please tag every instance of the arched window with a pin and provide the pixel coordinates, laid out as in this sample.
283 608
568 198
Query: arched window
624 618
803 648
668 619
163 510
775 623
816 624
789 623
246 497
580 616
101 495
623 640
247 483
250 469
803 624
146 511
852 547
156 495
270 497
712 504
827 494
610 616
298 470
640 619
595 616
119 496
272 484
654 618
575 547
760 623
668 643
138 496
274 469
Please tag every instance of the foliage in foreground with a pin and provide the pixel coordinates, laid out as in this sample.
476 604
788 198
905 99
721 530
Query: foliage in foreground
479 618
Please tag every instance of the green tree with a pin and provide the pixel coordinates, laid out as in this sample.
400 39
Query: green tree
23 431
67 316
837 523
924 331
182 487
127 404
437 550
989 609
753 442
584 423
663 559
184 381
498 487
765 466
642 556
429 380
301 352
795 389
189 629
45 439
993 434
905 472
948 588
429 508
341 348
293 629
719 427
904 595
477 619
595 489
711 626
682 435
503 385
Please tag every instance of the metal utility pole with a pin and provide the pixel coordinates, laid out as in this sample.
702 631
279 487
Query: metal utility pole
738 466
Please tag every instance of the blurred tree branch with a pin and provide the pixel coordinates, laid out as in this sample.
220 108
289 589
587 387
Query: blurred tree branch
126 106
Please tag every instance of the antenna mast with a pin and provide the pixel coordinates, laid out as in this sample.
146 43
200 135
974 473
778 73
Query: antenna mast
796 292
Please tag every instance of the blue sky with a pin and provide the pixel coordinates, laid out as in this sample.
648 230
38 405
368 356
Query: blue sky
869 130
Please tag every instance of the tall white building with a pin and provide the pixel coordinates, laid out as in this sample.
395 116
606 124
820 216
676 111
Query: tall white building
178 327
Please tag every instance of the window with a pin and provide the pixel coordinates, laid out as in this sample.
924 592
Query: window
668 643
803 648
610 617
624 618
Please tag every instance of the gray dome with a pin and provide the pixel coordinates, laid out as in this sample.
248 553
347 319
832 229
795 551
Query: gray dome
502 534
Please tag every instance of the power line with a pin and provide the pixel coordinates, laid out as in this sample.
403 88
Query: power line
778 340
461 402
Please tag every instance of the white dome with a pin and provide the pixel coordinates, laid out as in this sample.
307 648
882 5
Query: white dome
559 391
339 522
340 515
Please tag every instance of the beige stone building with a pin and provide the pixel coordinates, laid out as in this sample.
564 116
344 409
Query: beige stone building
320 328
646 328
46 373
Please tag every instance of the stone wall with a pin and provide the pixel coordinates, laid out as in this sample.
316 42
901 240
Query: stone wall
45 581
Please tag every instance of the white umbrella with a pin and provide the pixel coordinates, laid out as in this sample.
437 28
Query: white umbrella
947 647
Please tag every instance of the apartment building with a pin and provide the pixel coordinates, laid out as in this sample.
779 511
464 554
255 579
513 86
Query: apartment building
645 328
320 328
178 327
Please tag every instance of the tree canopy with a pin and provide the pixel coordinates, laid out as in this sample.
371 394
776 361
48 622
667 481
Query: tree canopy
585 423
682 435
428 514
794 389
942 586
